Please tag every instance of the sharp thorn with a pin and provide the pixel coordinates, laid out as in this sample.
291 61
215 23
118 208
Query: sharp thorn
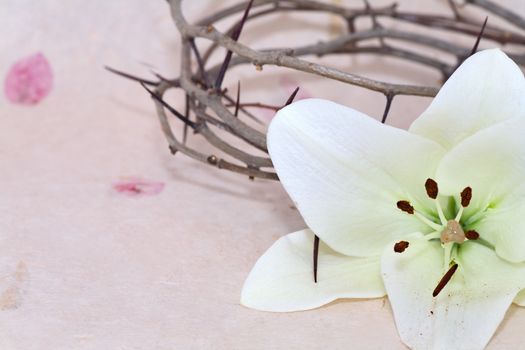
200 62
389 98
162 78
171 109
292 97
235 36
238 101
187 116
474 49
131 77
478 39
315 256
250 115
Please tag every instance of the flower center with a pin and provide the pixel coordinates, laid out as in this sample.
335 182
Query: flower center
453 232
449 231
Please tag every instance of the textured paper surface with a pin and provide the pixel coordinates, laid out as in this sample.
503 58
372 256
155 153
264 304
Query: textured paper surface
109 242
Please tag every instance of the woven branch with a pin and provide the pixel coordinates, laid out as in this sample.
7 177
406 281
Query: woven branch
209 108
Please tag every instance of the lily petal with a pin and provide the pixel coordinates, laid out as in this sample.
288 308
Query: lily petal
486 89
346 171
491 163
282 279
503 225
468 310
520 298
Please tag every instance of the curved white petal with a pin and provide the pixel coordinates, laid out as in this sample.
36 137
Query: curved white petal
282 279
520 298
346 172
492 163
468 310
504 225
486 89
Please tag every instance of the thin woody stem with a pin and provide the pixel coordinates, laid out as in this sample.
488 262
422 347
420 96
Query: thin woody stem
212 107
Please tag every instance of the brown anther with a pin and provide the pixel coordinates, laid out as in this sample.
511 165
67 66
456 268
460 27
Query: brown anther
443 282
209 28
258 67
466 196
405 206
400 246
432 188
212 160
472 234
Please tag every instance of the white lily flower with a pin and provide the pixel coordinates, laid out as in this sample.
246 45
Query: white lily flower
448 196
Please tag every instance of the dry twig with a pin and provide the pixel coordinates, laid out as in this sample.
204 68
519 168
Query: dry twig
209 107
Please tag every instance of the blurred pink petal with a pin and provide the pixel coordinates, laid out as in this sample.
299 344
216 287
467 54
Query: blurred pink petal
134 187
29 80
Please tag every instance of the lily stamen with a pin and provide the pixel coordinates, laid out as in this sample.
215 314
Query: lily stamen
401 246
444 280
466 196
472 235
425 220
459 214
447 253
432 189
442 217
405 206
433 235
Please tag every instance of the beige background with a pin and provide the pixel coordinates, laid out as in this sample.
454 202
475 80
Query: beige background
84 267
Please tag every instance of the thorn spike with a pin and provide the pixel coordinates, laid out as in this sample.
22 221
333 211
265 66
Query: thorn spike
171 109
131 77
200 62
315 256
238 101
292 97
235 36
389 98
478 39
187 116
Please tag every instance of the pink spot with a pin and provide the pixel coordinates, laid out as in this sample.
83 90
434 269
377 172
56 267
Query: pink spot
135 187
29 80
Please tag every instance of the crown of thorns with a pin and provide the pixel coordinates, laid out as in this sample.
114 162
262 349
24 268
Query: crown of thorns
211 110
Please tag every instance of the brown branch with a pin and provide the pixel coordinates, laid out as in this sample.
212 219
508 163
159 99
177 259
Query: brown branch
464 26
255 104
500 11
212 108
280 58
241 108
